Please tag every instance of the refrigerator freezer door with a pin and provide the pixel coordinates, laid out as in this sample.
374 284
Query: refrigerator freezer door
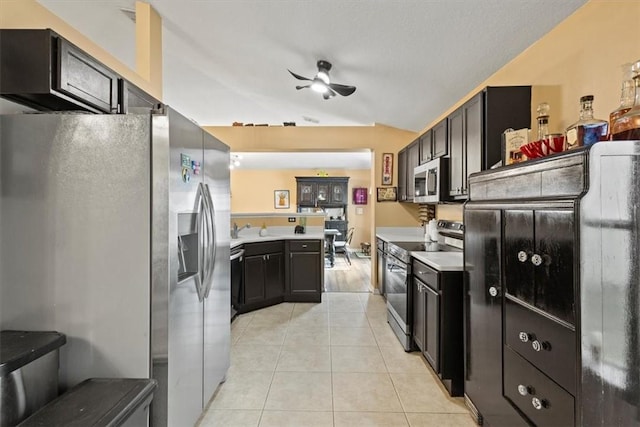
74 238
217 304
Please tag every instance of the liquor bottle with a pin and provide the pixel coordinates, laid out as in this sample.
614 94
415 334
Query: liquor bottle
627 94
627 126
587 130
543 120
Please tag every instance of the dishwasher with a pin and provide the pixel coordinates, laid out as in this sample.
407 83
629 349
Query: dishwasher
237 278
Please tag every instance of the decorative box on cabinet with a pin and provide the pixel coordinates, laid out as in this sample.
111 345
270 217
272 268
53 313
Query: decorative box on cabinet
46 72
475 131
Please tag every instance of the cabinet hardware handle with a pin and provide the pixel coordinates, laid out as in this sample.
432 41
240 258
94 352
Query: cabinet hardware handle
522 256
493 291
524 390
536 260
536 345
524 337
538 403
304 246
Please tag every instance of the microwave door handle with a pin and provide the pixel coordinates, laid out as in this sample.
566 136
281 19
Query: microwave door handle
214 241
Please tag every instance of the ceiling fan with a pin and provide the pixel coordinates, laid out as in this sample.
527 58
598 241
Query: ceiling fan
322 84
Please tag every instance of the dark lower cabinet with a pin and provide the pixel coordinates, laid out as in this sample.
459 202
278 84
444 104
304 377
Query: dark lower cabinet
305 271
263 275
437 323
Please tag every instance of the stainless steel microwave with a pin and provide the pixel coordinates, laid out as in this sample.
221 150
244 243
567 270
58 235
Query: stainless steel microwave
432 181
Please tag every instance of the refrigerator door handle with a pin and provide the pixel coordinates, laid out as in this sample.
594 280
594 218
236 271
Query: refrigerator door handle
214 242
202 259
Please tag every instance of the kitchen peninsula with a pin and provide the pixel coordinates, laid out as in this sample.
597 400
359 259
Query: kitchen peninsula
276 263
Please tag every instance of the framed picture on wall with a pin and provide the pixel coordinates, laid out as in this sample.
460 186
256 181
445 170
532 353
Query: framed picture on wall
281 199
387 194
387 168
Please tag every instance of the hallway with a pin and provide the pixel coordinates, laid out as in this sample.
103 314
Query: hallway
336 363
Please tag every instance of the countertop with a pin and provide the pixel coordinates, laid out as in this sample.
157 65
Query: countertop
400 234
441 261
276 233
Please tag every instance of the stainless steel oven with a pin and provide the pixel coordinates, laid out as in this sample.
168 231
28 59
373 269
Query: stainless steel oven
396 277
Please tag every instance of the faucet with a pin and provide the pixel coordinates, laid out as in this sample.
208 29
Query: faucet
236 230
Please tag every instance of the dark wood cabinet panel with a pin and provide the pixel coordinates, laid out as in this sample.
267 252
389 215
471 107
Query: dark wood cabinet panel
305 271
539 258
473 118
456 152
419 312
307 193
44 71
426 147
402 175
432 328
413 160
254 273
264 279
274 275
339 193
135 100
439 140
323 192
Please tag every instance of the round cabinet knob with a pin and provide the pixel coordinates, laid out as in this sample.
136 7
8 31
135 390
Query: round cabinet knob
523 389
536 260
536 345
524 337
493 291
522 256
537 403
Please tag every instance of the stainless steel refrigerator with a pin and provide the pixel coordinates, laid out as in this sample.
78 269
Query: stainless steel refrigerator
114 229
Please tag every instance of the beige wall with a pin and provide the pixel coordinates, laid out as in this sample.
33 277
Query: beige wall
252 191
30 14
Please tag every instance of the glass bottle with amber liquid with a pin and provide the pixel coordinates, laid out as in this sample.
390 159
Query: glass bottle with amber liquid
627 94
587 130
627 126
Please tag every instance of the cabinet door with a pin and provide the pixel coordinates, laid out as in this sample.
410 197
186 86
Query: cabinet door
418 314
473 138
413 160
254 273
519 248
402 175
432 328
483 317
305 273
426 147
339 193
456 154
84 78
323 193
274 275
307 193
439 139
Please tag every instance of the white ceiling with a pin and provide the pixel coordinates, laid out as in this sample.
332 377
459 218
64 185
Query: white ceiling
227 60
304 160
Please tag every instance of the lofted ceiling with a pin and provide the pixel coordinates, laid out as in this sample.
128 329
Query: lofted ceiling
226 61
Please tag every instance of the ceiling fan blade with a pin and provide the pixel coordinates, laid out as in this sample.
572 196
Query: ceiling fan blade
342 89
297 76
328 94
302 87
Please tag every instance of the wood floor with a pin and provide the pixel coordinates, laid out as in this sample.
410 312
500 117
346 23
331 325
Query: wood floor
343 277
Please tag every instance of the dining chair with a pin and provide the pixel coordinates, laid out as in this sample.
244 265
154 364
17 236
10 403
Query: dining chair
342 247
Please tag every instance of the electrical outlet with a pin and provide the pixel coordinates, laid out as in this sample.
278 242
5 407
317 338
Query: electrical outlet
292 219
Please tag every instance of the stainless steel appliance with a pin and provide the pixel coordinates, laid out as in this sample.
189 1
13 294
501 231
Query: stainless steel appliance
397 277
432 181
114 230
237 278
380 251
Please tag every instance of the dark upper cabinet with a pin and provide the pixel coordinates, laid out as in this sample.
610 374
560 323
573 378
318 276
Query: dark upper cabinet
402 175
413 160
135 100
322 191
439 140
305 270
46 72
426 146
475 131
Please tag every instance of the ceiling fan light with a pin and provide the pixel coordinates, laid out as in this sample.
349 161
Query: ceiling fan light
319 86
324 76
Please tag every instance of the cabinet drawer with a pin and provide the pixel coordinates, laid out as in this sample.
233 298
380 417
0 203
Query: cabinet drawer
540 399
263 248
547 344
425 274
304 245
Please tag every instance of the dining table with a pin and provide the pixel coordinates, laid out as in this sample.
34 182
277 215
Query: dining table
330 239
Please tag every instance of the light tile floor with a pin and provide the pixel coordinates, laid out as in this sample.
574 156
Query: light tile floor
336 363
